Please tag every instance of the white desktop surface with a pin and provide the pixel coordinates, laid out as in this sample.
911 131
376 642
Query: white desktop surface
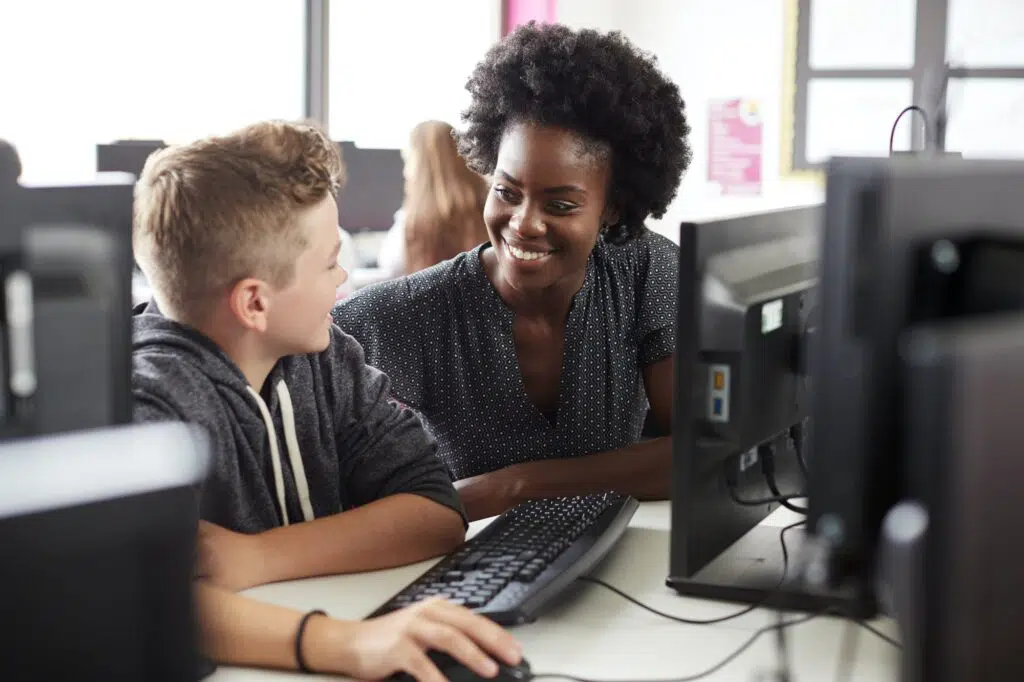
594 634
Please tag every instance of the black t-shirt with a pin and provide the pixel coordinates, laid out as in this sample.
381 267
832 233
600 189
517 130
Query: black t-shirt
444 336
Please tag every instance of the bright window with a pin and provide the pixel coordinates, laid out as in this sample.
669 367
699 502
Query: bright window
74 73
395 63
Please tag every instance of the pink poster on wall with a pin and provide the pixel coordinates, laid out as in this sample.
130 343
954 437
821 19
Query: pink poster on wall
519 12
735 146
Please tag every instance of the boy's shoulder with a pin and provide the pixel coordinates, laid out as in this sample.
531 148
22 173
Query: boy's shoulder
176 387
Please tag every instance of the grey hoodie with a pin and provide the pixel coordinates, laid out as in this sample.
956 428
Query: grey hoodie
321 437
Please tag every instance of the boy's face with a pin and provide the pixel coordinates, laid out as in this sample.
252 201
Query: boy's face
299 320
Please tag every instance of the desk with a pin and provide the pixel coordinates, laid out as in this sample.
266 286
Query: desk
591 633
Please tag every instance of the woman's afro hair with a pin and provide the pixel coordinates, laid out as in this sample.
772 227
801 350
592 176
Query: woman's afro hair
601 87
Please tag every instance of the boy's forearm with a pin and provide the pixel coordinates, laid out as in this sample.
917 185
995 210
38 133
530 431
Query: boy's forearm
392 531
237 630
240 631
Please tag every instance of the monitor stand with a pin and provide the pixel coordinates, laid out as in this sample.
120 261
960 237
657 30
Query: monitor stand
750 571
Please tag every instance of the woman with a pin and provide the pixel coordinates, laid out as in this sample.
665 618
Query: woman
534 357
441 215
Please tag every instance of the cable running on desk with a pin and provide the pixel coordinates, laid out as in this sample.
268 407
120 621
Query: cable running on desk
710 621
735 654
710 671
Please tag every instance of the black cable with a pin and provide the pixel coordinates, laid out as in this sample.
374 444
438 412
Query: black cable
778 626
761 500
713 669
768 469
711 621
796 433
785 673
877 633
912 107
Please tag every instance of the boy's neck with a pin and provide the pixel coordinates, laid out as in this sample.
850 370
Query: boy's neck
246 352
245 348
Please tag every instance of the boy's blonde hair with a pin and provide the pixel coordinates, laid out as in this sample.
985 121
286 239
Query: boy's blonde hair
213 212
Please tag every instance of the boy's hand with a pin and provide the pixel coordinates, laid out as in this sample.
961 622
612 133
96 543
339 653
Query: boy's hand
234 561
398 642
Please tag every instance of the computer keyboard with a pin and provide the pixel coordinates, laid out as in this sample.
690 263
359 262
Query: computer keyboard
525 557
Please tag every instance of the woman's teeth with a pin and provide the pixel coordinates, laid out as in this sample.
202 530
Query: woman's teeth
519 254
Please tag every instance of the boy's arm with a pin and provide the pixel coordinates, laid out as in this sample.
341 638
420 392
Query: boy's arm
237 630
403 507
394 531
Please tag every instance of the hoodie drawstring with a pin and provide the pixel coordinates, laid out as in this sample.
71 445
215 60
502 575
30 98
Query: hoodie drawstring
291 439
294 455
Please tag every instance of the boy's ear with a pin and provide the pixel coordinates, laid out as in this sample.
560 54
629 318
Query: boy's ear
249 303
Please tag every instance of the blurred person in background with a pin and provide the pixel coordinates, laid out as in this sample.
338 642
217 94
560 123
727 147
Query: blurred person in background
442 214
10 163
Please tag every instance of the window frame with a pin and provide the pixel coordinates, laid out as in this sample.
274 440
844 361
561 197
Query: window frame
929 75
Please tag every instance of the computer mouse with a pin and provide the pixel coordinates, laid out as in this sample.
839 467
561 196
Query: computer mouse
456 672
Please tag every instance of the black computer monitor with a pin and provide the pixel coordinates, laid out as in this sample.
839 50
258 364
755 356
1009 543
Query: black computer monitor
126 156
954 585
98 534
908 243
65 311
374 188
746 304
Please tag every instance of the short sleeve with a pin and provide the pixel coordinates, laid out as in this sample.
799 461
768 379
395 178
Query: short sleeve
386 320
657 291
383 448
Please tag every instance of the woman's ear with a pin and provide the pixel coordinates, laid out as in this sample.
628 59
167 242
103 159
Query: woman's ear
611 217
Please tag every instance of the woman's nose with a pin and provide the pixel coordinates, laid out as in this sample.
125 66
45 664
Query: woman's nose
527 223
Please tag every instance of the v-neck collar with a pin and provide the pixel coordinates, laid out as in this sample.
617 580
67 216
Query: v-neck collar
570 342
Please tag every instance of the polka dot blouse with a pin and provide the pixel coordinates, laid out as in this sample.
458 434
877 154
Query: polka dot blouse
445 338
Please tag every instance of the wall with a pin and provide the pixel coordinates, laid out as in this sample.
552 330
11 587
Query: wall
602 15
712 49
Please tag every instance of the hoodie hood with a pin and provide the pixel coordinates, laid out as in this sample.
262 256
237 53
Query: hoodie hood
155 336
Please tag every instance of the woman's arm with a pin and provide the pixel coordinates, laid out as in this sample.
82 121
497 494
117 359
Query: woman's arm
642 470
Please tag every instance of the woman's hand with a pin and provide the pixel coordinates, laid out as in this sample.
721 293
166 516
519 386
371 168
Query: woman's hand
492 493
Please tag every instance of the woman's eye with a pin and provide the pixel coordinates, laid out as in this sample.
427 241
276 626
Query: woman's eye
504 193
561 206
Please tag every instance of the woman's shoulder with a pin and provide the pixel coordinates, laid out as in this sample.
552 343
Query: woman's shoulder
424 291
638 255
